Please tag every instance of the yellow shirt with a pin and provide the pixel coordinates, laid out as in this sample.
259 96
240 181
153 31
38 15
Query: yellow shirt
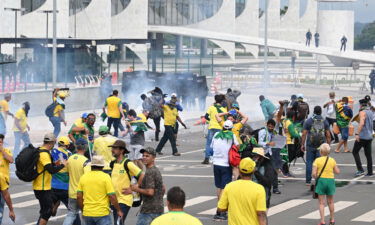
286 124
243 199
236 131
57 109
43 181
101 148
120 180
176 218
143 117
328 171
113 103
212 111
4 184
22 119
96 186
78 122
4 107
76 168
4 165
170 115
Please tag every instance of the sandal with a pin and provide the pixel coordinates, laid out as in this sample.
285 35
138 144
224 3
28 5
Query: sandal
332 223
347 151
337 151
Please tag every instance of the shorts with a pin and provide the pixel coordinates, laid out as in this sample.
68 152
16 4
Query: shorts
134 152
46 203
326 186
344 133
222 175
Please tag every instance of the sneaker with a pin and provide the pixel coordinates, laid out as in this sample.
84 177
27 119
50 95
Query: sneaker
177 154
359 173
206 161
276 191
369 175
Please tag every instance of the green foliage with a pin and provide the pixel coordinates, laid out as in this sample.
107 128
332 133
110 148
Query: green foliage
366 40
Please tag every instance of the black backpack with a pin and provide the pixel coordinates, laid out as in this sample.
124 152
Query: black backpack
317 133
255 133
26 163
50 109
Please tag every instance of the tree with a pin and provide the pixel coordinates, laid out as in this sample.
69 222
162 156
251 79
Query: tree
366 40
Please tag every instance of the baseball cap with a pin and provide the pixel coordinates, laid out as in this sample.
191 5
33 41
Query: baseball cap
103 129
81 141
173 95
50 137
235 105
84 115
97 160
247 165
64 140
119 144
228 124
149 150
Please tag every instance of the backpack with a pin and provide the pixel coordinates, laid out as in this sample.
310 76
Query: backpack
111 164
317 133
50 109
255 133
26 163
302 110
234 156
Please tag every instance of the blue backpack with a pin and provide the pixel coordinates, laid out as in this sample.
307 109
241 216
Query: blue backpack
50 109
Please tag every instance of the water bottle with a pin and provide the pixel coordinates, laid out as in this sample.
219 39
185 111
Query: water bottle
136 196
119 222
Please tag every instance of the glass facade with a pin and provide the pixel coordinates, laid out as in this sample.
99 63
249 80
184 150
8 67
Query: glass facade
118 6
75 6
240 7
31 5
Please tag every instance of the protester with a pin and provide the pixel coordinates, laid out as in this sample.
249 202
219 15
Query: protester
343 43
179 109
78 127
324 169
301 108
77 166
244 199
315 132
221 144
21 128
343 116
231 97
268 108
292 140
5 197
101 147
86 131
175 202
94 194
59 111
363 138
121 181
151 189
5 159
308 37
154 105
114 111
331 114
213 126
238 118
42 184
4 109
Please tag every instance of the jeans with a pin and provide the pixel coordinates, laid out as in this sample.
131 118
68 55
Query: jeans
103 220
2 203
18 136
116 123
168 135
73 213
157 127
146 218
3 128
125 210
311 155
210 135
56 123
62 196
366 144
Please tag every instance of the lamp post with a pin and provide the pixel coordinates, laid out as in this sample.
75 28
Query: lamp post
266 80
47 12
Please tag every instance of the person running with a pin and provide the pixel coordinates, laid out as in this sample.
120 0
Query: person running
308 37
5 159
121 181
268 108
114 111
363 138
315 132
170 118
176 200
221 144
136 128
292 137
344 40
5 197
244 199
324 170
4 109
42 184
77 166
331 114
343 116
21 128
95 193
59 111
101 147
151 189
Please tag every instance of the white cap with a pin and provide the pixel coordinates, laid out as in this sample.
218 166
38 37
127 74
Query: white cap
173 95
228 124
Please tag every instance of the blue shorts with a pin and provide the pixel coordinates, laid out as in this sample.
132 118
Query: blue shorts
344 133
222 175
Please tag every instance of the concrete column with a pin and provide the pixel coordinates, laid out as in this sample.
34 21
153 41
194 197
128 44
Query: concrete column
179 42
122 53
204 48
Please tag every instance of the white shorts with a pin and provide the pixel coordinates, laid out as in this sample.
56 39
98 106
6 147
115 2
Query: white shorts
134 152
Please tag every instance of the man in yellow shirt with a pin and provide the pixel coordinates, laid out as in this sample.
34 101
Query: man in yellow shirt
170 118
77 166
59 111
5 159
42 184
4 186
176 201
214 126
94 194
244 199
4 109
101 146
124 172
21 128
114 111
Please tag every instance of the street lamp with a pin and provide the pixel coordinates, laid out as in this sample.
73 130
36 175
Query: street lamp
47 12
266 80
